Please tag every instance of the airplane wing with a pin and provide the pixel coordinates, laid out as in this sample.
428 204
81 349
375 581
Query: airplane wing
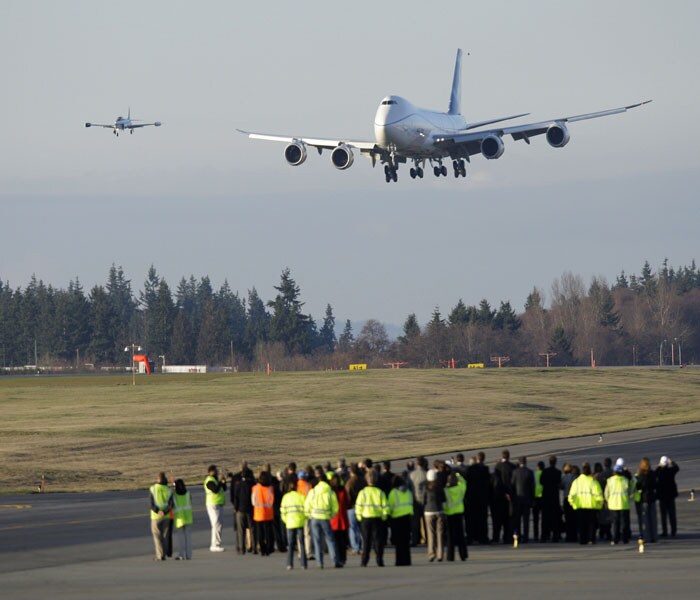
137 125
318 143
100 125
470 143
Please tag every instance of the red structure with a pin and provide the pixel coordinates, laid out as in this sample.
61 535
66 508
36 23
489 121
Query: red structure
144 359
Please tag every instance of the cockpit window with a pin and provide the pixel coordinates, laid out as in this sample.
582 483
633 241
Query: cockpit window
384 102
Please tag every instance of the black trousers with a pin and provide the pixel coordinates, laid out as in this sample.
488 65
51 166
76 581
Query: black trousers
551 520
570 522
537 516
521 518
621 525
499 520
668 513
373 533
477 517
401 536
455 537
587 524
266 536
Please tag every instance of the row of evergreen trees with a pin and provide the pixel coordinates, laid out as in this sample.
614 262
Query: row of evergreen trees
641 319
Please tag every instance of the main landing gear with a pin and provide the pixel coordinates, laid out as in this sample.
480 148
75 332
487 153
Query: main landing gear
416 172
459 168
439 170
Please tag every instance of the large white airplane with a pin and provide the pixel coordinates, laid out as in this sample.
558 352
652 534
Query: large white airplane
405 133
124 123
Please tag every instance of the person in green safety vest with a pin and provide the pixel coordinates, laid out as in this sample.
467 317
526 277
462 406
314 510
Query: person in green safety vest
371 510
586 498
294 517
454 509
400 502
215 491
161 503
617 497
182 505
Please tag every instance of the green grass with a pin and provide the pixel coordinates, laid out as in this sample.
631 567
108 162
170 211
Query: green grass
96 433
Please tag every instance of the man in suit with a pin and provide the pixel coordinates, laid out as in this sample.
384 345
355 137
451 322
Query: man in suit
523 498
504 470
478 481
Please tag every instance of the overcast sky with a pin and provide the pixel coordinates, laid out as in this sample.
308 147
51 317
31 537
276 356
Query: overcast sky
196 197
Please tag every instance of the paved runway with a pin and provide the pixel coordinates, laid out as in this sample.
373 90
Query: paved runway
98 545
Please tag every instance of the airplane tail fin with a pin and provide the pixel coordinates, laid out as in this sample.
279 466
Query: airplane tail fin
129 114
456 95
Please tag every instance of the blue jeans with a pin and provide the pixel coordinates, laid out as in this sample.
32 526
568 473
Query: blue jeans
321 528
292 536
354 531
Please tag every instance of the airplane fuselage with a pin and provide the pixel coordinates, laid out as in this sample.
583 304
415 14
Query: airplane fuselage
399 126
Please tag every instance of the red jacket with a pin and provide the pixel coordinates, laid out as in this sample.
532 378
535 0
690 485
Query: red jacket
340 521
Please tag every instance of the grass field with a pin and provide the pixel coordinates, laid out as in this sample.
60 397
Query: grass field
100 433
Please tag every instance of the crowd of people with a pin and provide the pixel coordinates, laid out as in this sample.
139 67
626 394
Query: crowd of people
359 508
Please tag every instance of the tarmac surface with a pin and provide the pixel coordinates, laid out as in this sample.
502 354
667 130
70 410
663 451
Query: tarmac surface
98 545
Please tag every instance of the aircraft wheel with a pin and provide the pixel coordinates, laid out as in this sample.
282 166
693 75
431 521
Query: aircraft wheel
395 176
386 170
388 178
412 172
419 172
443 170
436 170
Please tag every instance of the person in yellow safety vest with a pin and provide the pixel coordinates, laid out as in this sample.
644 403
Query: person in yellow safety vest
371 510
617 497
400 502
455 490
586 497
321 504
294 518
215 491
182 505
161 503
537 506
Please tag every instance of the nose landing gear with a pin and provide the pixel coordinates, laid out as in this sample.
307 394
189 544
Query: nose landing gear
390 173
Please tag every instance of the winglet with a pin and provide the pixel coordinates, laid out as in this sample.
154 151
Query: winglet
456 95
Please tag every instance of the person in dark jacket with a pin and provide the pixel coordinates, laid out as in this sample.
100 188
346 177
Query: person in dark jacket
499 507
433 502
646 485
243 507
353 486
478 483
667 492
505 470
550 480
523 497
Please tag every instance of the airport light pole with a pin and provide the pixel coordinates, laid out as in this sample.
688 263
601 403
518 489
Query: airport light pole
134 349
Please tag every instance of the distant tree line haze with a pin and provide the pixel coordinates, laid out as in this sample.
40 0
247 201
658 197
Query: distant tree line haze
645 319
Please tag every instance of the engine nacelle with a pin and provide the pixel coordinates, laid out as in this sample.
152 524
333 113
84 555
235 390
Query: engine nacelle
342 157
157 123
558 135
492 146
295 153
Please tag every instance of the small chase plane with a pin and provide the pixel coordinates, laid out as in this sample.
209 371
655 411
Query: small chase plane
404 132
123 124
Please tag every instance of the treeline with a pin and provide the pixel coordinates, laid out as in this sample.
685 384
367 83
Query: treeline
641 319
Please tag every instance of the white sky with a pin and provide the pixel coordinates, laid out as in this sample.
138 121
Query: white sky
196 197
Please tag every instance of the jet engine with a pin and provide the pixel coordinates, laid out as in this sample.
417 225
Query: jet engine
157 123
342 157
295 153
492 146
558 135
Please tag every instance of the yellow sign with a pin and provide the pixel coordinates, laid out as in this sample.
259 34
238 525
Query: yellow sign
357 367
475 366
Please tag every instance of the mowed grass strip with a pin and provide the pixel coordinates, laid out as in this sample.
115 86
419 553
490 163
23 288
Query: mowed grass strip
100 433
